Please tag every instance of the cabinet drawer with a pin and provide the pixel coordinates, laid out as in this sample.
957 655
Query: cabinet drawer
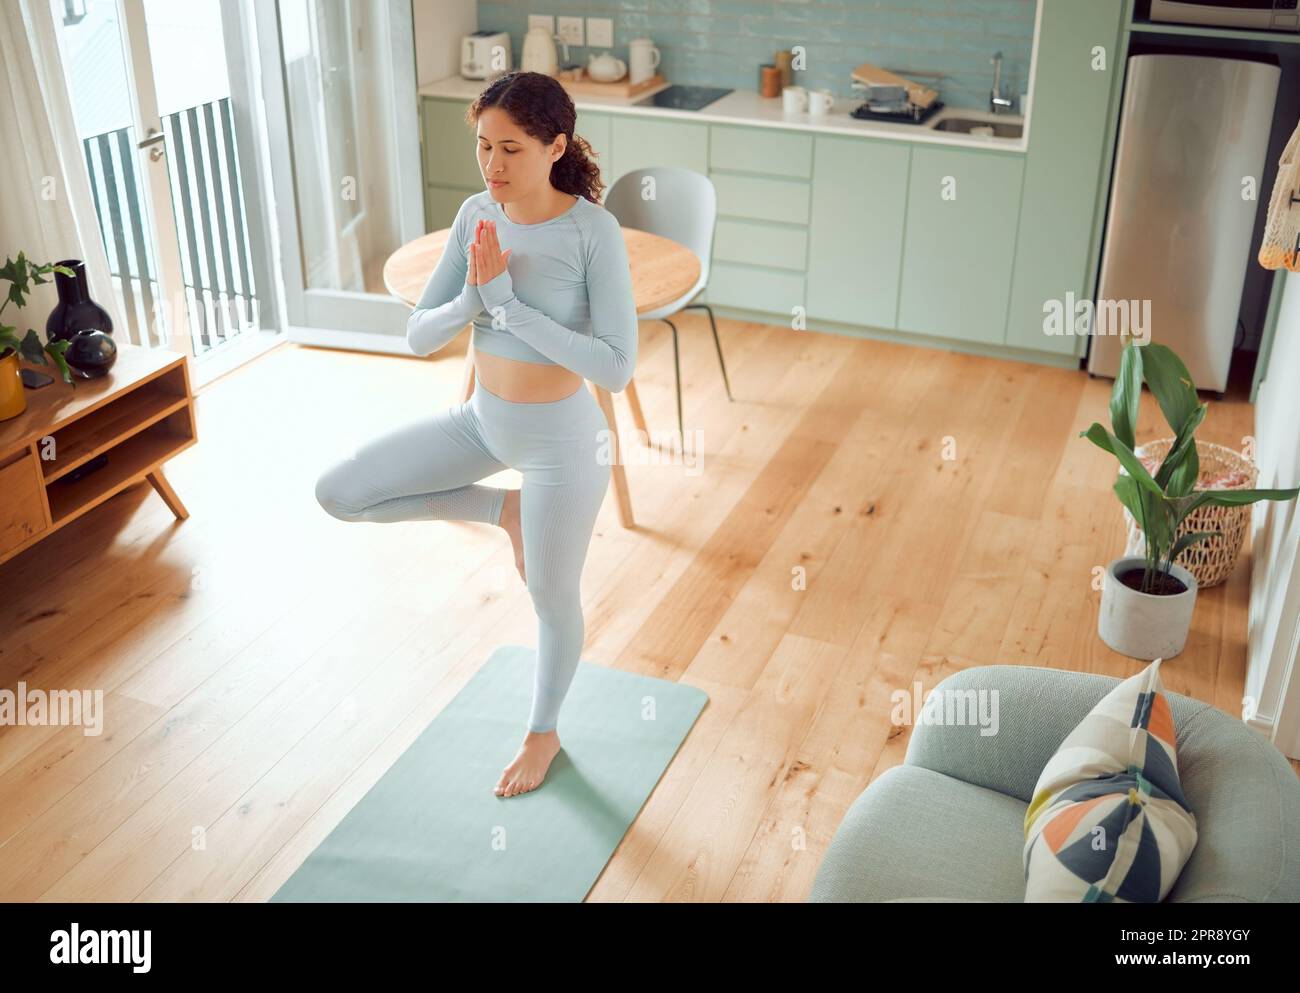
756 243
450 158
760 199
21 515
777 153
641 143
775 291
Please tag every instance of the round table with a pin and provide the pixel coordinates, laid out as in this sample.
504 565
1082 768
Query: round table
662 271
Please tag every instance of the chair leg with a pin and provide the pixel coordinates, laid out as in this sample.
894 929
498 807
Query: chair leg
677 370
717 343
619 472
634 402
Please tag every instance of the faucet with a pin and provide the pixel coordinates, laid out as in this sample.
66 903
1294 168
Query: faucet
996 99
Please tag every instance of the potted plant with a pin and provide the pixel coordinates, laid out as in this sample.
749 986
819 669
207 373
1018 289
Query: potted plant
21 276
1147 601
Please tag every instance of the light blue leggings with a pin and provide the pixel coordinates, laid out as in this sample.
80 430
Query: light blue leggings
427 470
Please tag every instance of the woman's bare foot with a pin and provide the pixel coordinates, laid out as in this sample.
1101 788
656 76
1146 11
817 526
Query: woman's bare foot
510 522
528 769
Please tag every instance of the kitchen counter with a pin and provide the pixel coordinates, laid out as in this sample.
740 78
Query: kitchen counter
746 107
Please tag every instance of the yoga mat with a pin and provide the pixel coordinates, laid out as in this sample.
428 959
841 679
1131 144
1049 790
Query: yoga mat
431 829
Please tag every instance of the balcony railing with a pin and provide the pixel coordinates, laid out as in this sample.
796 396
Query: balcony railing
211 226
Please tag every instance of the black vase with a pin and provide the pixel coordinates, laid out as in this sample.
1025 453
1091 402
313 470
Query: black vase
81 322
91 353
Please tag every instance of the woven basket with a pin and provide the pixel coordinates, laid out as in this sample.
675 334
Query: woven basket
1210 560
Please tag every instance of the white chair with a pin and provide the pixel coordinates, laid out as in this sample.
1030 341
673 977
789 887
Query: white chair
683 206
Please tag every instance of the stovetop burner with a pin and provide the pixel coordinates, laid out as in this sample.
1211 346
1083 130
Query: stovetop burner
689 97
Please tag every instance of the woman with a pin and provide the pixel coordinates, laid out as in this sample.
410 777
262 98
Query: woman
541 270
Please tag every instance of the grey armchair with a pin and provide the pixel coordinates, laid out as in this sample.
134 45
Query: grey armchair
948 824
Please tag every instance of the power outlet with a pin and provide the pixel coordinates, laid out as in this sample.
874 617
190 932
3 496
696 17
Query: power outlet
571 30
600 32
542 21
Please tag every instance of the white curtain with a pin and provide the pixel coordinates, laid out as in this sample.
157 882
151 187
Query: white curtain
46 209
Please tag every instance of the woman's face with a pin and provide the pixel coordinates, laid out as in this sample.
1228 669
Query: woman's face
517 161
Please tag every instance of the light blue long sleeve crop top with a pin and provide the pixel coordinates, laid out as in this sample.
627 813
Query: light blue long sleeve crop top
565 297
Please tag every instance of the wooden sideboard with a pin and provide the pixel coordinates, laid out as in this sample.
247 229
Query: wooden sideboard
138 416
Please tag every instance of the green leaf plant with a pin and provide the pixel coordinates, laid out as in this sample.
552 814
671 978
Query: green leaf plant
1161 503
22 275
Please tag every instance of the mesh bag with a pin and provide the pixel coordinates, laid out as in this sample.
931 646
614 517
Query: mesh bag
1280 248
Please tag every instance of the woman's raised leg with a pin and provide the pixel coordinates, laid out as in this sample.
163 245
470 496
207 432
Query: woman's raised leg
425 470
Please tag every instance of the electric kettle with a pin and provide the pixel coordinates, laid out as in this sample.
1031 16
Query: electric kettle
539 52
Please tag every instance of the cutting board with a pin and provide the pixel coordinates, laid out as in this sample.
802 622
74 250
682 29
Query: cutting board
618 90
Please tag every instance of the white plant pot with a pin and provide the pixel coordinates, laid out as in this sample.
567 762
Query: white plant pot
1143 625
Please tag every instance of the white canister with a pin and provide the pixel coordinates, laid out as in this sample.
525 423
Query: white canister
794 100
642 60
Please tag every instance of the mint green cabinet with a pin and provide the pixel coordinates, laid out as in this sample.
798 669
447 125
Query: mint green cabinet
1065 166
856 231
594 127
963 208
643 142
450 155
441 204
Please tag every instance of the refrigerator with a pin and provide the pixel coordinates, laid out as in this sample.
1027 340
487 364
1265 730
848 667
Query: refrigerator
1178 229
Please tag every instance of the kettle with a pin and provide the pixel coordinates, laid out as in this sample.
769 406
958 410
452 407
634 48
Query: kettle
605 68
539 52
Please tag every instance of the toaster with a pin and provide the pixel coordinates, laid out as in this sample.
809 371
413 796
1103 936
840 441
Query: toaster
476 54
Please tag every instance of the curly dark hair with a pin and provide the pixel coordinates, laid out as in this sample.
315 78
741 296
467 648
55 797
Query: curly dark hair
542 107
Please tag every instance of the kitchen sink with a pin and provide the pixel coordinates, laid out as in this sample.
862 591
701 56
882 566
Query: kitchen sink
963 125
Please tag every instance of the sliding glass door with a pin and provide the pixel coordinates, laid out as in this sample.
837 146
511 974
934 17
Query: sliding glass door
338 80
151 95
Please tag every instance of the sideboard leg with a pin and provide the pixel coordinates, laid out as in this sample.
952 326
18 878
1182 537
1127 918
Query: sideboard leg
168 494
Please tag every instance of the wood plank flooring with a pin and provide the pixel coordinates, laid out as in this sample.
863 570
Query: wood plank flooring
865 515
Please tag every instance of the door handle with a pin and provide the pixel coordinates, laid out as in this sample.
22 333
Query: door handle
152 141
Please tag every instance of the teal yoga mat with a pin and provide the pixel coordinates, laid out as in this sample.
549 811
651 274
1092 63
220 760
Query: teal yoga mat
431 829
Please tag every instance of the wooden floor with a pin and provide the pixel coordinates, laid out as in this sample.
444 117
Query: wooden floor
263 664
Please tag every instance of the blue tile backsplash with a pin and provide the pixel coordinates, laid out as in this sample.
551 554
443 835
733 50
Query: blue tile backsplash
723 42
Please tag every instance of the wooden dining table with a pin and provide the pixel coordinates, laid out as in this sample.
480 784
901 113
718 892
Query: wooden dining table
662 271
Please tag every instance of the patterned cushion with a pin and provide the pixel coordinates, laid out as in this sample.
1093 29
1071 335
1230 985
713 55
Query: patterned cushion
1108 820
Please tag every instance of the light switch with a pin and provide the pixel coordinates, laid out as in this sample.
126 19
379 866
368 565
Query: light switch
600 32
571 30
542 21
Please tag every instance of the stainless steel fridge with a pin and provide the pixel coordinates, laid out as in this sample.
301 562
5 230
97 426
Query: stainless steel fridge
1178 231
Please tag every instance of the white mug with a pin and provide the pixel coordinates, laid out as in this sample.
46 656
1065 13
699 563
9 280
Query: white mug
794 99
643 59
820 101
